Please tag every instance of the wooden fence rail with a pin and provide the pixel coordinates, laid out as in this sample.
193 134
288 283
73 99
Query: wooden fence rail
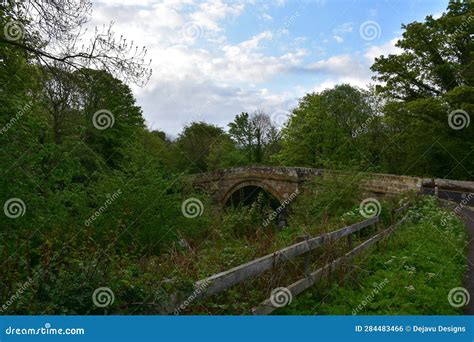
220 282
299 286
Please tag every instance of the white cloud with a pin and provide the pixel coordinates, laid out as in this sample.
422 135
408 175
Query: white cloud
338 39
199 76
206 76
266 17
353 69
340 31
343 28
213 11
384 49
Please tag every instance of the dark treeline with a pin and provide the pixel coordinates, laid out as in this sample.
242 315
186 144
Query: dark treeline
73 142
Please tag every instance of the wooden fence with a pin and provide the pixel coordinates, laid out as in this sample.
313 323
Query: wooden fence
220 282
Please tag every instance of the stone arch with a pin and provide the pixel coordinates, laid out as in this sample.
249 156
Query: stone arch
249 183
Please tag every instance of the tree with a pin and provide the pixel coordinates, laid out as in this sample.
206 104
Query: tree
261 126
52 32
60 98
241 131
254 135
437 56
428 88
224 154
111 117
330 129
194 144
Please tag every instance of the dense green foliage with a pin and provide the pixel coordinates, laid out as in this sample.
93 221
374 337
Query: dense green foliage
103 195
404 126
411 273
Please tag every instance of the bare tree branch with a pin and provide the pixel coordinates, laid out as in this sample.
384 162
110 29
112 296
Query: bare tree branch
53 30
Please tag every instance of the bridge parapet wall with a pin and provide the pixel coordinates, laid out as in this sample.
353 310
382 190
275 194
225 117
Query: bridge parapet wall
282 181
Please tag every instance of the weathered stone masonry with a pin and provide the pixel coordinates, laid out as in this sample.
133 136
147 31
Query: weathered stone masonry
281 182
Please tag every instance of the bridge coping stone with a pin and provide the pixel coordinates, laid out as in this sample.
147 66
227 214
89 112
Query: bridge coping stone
287 179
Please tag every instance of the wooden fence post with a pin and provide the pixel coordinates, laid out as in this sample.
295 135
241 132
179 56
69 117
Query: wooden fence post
349 267
307 258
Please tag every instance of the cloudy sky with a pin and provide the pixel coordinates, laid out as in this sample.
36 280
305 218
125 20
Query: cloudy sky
213 59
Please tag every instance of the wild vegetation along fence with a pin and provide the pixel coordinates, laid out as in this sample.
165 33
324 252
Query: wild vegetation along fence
310 279
220 282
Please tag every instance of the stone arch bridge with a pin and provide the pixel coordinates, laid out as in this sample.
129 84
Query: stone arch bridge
283 182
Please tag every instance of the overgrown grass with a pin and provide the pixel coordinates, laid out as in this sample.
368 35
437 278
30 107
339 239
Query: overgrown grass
410 273
145 281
